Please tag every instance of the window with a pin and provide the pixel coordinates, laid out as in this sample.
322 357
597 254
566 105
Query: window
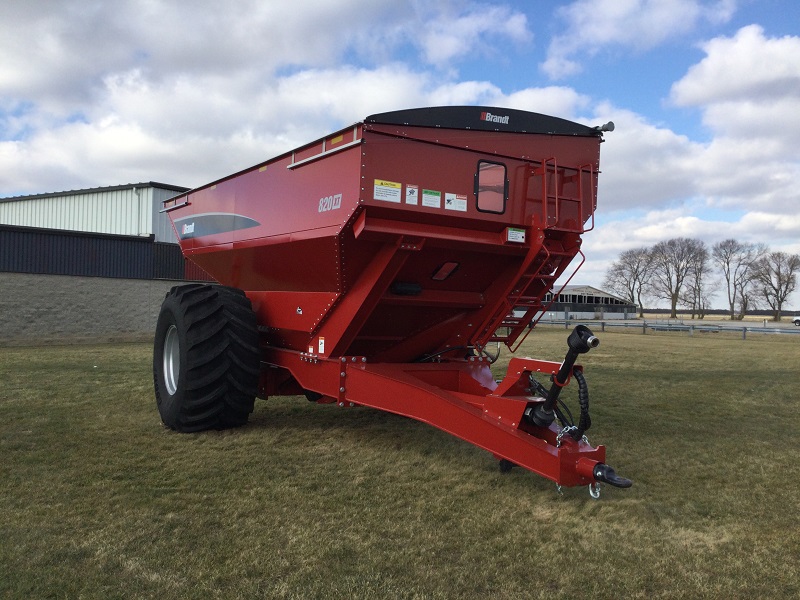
491 187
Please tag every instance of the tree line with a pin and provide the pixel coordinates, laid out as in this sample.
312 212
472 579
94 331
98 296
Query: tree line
687 273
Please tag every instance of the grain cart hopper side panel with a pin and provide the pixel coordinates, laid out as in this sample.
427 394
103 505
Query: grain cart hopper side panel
383 258
273 230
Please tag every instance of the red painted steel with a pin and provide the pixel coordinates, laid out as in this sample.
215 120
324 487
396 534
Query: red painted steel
378 279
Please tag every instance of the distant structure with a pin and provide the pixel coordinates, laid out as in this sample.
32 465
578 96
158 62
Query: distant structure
87 265
130 210
585 302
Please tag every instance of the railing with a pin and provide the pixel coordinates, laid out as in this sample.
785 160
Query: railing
644 327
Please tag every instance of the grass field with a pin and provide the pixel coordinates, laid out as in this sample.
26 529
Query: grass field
98 500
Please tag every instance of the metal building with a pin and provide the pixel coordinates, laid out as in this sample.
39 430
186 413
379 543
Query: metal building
57 252
129 210
112 232
587 302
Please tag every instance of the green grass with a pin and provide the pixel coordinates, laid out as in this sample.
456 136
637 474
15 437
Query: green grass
98 500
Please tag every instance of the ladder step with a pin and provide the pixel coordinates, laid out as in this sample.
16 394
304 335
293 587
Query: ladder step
554 252
525 298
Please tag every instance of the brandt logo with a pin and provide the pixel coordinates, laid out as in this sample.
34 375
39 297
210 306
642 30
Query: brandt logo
487 116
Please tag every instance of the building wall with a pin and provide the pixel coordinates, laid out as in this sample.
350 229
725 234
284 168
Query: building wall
55 252
118 212
130 210
41 309
596 315
162 226
67 286
87 265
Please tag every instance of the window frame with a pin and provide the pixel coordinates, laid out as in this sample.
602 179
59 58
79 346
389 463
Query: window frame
477 187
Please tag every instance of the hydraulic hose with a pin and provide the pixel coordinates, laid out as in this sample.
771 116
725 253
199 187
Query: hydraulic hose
580 341
583 399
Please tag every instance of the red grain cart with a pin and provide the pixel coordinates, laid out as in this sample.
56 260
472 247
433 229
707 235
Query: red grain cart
376 266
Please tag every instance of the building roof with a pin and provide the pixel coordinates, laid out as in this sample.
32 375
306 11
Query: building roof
111 188
587 290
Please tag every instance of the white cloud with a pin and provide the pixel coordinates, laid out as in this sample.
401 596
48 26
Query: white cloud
748 90
639 25
644 165
59 53
750 166
554 100
742 183
449 36
615 235
195 129
745 67
55 48
99 93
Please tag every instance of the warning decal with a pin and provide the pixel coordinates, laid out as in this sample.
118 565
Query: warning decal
431 199
388 191
455 202
412 194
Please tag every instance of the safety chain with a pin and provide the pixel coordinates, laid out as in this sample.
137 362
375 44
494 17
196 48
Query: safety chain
565 431
594 488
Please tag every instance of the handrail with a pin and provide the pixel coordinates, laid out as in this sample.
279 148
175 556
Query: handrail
534 320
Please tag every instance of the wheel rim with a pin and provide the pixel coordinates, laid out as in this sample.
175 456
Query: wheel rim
172 360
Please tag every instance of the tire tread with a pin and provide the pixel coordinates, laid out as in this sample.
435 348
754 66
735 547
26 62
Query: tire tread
222 361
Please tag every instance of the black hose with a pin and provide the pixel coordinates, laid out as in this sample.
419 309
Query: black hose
583 399
564 414
580 341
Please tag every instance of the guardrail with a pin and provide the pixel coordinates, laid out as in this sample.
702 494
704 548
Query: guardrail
646 326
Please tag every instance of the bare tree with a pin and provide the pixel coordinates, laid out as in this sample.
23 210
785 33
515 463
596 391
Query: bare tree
736 260
673 262
629 274
776 274
749 297
698 288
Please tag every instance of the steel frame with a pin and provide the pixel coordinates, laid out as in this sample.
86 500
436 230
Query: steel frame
459 397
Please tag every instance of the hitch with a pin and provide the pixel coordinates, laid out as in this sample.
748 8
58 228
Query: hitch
608 475
601 473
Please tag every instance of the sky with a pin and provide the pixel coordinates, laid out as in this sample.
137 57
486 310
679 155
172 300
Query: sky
705 95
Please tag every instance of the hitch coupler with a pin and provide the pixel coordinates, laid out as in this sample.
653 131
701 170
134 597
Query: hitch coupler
602 472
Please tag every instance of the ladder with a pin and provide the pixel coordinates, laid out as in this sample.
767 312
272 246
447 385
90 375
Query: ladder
553 246
545 262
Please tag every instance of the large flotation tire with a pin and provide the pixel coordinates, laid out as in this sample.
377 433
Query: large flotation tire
205 358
